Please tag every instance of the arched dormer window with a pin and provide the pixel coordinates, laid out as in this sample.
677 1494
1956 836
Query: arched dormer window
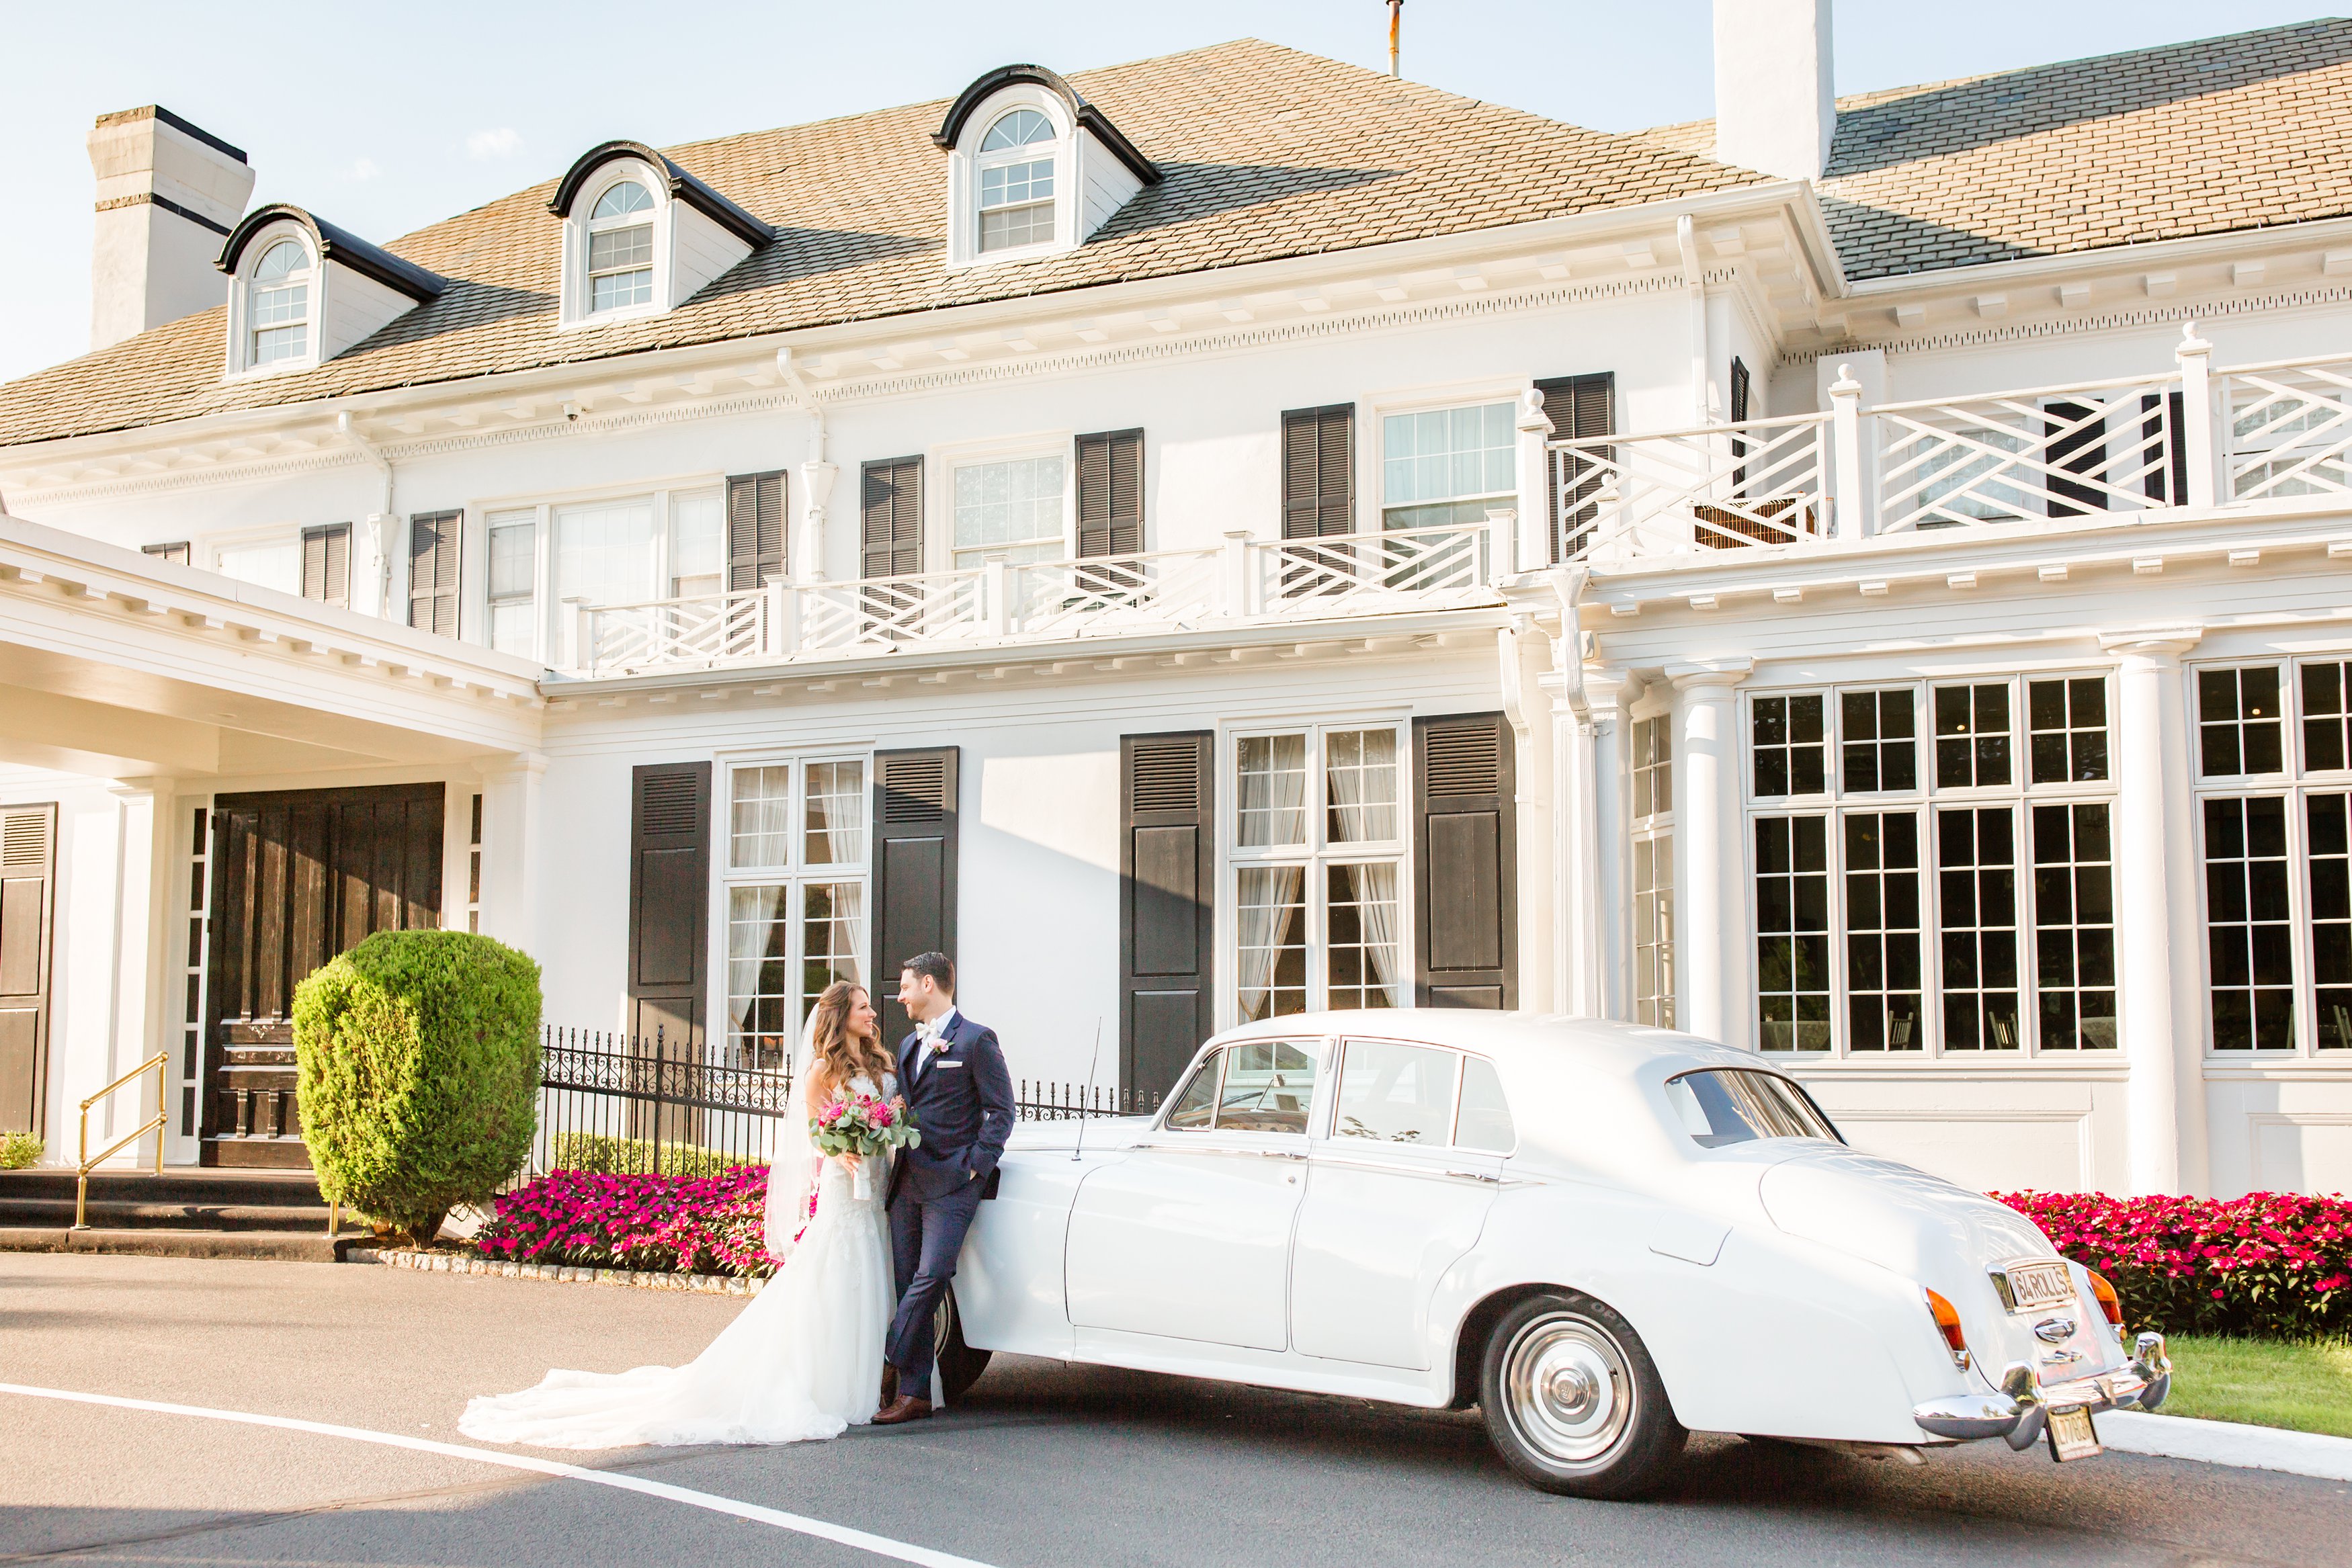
641 235
1016 181
1032 168
277 306
621 248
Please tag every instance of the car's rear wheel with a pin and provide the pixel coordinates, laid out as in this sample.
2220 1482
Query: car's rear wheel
959 1364
1572 1401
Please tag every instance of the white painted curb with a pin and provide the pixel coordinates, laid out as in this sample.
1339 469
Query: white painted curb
2228 1443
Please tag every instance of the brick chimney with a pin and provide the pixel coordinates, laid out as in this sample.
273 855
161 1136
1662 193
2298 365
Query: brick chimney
168 194
1775 96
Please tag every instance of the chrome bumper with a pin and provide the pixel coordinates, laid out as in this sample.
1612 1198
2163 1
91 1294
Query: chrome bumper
2020 1409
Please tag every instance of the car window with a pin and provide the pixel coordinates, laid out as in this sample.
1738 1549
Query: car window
1196 1107
1737 1105
1484 1122
1394 1094
1268 1086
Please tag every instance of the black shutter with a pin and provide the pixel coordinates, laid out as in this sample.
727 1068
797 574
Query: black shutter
433 573
1740 396
1165 917
327 564
1465 858
914 869
2079 451
893 531
1110 493
1580 408
755 529
2163 450
669 900
1319 472
175 552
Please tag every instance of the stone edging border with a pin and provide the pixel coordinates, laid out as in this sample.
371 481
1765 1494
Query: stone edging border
560 1273
2228 1443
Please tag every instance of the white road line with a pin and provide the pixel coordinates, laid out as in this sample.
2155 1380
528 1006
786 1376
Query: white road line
801 1524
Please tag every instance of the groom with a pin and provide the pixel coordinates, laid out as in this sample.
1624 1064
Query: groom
952 1075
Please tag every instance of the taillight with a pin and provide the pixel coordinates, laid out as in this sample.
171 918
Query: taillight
2109 1302
1947 1323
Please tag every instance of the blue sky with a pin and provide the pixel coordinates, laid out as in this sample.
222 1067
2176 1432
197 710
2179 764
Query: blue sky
384 119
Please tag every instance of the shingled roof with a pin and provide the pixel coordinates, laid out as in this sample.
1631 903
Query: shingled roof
2237 133
1267 153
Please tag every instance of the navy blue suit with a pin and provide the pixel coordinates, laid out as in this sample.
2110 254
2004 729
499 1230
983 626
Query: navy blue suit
962 1103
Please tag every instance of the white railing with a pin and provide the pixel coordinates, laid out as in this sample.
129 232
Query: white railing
2193 437
1008 601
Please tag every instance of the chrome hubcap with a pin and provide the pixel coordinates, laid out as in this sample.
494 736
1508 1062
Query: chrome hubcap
1567 1390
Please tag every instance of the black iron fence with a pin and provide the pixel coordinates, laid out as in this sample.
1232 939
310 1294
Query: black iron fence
634 1106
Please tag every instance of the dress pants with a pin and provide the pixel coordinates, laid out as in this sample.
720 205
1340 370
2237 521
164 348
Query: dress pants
926 1237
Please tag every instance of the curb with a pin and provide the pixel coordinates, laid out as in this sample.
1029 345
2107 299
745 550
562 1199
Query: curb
2228 1443
558 1273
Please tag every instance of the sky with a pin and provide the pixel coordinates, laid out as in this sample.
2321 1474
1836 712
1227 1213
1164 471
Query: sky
385 118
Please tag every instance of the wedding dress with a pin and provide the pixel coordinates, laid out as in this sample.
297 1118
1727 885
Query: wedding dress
803 1361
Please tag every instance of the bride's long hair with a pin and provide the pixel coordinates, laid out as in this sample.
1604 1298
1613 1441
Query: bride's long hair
838 1055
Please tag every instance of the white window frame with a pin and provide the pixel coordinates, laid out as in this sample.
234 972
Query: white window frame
966 160
1651 828
1315 856
578 226
207 551
241 326
796 873
535 594
938 499
984 161
556 618
1836 802
1373 413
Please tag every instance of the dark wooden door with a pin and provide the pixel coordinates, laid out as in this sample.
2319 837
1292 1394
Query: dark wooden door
28 840
298 876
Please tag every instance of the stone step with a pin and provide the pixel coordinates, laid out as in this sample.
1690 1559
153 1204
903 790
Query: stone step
184 1185
114 1214
263 1246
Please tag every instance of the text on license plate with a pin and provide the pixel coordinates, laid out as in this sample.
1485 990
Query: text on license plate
2072 1436
2040 1285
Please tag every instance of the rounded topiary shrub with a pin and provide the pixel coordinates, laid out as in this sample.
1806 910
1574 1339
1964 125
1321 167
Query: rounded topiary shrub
418 1055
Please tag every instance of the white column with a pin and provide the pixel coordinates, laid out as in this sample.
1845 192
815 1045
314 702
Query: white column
1711 967
510 849
1525 654
135 1007
2162 961
1602 891
1534 472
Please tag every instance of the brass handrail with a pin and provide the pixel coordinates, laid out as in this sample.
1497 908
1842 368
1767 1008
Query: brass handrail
153 1124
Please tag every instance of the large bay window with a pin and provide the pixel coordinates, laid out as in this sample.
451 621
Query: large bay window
796 891
1950 903
1318 868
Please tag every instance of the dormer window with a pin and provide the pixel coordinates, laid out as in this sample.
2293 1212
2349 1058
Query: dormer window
641 235
621 248
1016 181
1032 168
279 307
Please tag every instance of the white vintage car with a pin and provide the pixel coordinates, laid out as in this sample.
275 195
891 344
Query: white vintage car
1603 1235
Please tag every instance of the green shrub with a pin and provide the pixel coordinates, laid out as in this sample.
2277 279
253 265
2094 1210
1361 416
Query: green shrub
418 1057
597 1154
18 1150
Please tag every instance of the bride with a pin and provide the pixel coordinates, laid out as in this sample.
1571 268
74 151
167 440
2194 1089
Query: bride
804 1359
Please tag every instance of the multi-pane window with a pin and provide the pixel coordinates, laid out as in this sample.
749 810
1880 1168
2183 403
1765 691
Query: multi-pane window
1911 914
1317 866
277 306
1972 735
1016 181
2331 919
514 579
796 890
1653 872
2066 725
2249 922
698 544
2239 730
1789 752
1975 878
621 248
1446 466
2326 717
1013 509
1877 746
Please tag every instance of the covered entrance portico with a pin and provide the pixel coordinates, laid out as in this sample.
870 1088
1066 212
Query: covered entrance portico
241 784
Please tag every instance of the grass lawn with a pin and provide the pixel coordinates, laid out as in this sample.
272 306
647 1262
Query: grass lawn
2306 1387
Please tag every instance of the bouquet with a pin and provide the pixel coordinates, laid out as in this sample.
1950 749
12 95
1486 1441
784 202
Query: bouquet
865 1126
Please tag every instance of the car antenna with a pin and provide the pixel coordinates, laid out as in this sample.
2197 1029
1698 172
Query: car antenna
1080 1147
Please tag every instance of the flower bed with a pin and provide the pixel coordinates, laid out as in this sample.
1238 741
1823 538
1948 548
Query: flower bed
2271 1265
710 1224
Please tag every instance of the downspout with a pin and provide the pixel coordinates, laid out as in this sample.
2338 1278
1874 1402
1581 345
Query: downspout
381 524
1703 401
818 474
1583 953
1527 707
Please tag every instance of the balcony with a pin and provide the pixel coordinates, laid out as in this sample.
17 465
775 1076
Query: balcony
2194 439
1243 581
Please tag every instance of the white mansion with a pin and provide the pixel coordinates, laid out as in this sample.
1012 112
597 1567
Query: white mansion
1865 579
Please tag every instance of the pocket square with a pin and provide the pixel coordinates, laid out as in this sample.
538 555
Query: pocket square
943 1062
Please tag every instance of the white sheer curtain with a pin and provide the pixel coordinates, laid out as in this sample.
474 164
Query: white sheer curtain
837 813
1360 773
1273 790
1269 900
1376 906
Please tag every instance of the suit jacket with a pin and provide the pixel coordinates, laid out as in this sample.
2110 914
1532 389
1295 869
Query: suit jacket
962 1103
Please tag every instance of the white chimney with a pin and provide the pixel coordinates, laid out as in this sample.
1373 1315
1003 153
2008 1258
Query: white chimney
168 194
1775 94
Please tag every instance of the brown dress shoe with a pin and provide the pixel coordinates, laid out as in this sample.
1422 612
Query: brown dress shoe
890 1387
905 1407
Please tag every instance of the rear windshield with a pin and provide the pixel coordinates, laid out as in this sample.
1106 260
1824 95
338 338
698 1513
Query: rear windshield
1736 1105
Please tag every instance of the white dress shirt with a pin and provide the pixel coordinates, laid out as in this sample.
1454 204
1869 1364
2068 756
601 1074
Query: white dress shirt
932 1032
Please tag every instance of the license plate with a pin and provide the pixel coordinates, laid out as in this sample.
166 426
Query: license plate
2072 1436
2032 1285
